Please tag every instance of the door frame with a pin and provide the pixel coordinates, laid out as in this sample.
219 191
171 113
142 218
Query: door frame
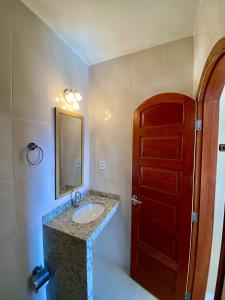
209 91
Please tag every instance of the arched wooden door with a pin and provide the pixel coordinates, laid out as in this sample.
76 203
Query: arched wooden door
162 183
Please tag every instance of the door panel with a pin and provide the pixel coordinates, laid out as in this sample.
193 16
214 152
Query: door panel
160 179
161 147
163 163
158 115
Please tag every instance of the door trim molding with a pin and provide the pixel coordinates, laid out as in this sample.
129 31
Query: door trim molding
208 97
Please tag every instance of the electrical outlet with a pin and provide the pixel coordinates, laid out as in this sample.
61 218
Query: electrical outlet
101 164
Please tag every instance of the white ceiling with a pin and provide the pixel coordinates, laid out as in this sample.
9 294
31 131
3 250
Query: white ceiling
98 30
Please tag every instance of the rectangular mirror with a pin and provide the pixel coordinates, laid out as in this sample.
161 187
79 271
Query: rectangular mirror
69 151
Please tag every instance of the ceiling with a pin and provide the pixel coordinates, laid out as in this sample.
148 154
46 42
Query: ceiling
98 30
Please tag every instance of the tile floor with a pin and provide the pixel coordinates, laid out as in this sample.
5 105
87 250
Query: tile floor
112 282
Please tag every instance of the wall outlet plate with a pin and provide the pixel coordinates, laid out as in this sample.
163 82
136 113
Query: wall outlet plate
78 163
101 164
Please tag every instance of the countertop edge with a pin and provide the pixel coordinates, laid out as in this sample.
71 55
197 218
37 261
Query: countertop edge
88 239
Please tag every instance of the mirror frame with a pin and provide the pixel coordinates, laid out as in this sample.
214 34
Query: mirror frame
57 150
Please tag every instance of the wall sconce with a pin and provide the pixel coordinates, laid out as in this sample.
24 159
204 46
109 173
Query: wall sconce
72 97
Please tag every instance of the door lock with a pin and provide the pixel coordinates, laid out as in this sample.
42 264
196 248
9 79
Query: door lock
135 200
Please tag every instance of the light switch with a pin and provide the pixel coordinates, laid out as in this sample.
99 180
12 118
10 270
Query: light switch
78 163
101 164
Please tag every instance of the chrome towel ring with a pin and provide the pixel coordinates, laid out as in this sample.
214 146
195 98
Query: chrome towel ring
32 147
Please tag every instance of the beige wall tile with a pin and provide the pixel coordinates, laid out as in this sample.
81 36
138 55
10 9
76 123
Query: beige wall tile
147 70
119 86
6 148
113 75
110 97
112 111
113 147
25 132
6 21
117 251
31 99
143 94
7 211
5 81
177 66
81 77
38 56
10 284
60 71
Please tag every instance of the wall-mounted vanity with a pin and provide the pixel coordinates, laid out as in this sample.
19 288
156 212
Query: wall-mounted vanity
69 232
68 247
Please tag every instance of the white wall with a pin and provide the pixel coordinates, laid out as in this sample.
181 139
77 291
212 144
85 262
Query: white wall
35 69
118 86
210 27
219 203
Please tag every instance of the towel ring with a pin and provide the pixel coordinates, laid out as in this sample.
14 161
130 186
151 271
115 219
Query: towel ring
32 147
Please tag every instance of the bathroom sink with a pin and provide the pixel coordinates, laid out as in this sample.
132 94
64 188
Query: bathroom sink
88 212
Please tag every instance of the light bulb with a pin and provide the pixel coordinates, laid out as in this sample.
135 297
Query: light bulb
76 105
78 96
69 96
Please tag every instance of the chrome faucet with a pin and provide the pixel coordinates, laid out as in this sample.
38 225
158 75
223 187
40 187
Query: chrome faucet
76 200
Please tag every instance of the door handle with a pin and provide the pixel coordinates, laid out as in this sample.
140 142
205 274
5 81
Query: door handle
135 200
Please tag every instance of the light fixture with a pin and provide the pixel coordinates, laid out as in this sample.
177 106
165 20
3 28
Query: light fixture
69 96
72 96
78 96
76 105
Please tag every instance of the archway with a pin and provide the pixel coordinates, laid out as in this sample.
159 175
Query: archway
210 88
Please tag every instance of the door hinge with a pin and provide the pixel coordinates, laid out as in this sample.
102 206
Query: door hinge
194 217
198 125
187 296
222 147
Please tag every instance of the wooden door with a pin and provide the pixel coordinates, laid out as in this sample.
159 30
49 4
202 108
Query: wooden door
163 164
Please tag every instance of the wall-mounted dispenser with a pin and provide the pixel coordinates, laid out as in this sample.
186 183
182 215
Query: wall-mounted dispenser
40 276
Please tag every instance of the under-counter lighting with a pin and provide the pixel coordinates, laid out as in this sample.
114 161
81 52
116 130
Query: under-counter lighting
72 97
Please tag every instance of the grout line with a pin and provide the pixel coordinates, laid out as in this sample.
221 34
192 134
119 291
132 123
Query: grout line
13 138
7 180
197 17
50 78
8 240
33 121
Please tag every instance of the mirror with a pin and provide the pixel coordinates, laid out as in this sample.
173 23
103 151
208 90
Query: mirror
69 151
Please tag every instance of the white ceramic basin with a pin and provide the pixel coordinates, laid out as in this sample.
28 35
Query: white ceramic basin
88 212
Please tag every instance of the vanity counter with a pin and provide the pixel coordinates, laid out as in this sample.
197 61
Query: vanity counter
88 231
68 248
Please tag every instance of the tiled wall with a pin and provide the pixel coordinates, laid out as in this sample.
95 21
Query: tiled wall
210 28
35 68
118 86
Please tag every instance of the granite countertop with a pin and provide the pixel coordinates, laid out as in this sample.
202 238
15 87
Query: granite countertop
89 231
